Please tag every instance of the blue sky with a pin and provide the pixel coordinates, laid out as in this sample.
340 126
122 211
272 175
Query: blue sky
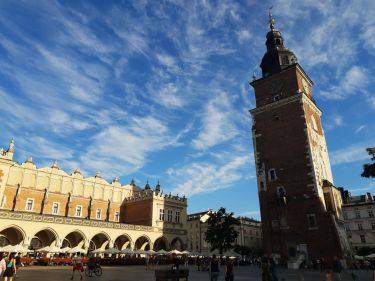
159 89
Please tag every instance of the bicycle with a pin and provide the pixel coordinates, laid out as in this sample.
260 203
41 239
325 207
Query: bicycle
96 269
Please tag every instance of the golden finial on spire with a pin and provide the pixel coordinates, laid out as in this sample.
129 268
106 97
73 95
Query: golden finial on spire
271 19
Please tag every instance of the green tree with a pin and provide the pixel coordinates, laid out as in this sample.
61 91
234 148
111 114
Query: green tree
221 232
369 169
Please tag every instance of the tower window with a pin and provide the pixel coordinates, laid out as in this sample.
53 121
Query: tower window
261 183
177 217
278 42
360 227
170 213
272 174
311 220
276 97
285 60
161 214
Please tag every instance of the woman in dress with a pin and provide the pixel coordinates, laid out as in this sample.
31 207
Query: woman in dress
10 269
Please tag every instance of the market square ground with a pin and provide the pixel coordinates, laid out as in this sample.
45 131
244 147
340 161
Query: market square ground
131 273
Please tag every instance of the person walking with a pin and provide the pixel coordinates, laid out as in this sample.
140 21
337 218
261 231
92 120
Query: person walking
337 268
198 263
214 268
2 263
266 274
77 266
229 274
10 269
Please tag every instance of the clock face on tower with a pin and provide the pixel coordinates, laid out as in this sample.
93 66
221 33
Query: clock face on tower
274 86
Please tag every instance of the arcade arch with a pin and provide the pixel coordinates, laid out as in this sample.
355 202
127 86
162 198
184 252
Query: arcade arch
73 239
43 238
177 244
142 243
122 242
161 244
11 235
99 241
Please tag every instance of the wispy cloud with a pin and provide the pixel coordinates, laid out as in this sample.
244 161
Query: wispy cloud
349 154
199 177
217 123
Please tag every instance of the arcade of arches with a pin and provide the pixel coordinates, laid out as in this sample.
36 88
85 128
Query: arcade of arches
90 239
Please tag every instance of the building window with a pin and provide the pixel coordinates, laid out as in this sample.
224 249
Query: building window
373 226
55 208
98 214
117 216
261 183
357 214
311 220
360 227
177 217
345 215
170 214
78 211
370 213
3 200
29 204
347 227
363 238
161 214
272 174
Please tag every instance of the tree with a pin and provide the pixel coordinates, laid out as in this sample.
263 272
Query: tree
369 169
221 232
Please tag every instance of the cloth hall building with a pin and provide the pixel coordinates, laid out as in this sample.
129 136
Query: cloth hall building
48 207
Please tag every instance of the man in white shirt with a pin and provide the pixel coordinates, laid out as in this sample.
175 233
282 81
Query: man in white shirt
2 263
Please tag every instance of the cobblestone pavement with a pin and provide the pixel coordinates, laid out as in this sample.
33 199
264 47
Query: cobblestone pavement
139 273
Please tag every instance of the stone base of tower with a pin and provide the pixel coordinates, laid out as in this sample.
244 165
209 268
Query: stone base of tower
296 241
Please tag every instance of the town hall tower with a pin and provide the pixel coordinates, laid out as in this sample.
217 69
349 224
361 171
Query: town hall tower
300 208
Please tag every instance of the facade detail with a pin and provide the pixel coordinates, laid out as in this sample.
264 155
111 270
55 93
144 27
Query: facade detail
359 215
249 233
48 207
299 203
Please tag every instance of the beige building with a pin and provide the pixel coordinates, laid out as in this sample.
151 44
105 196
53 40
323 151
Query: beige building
47 206
249 232
359 215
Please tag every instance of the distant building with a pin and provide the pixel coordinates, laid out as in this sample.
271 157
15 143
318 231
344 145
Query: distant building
249 232
359 214
42 207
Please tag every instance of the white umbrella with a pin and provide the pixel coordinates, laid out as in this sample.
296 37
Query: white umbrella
77 250
150 252
111 251
186 252
55 249
44 249
370 256
162 252
358 257
176 252
15 248
97 251
126 251
65 250
140 252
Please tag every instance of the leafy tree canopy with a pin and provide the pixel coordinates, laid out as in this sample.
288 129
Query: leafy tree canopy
369 169
221 232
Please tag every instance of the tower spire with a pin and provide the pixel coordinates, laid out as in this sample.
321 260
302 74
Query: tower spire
271 20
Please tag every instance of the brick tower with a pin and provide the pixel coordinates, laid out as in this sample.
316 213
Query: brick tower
300 207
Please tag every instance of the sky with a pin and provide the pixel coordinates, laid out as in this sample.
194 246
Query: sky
158 90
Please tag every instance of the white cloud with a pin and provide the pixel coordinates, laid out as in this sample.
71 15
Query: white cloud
349 154
207 177
243 35
360 129
354 81
217 123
